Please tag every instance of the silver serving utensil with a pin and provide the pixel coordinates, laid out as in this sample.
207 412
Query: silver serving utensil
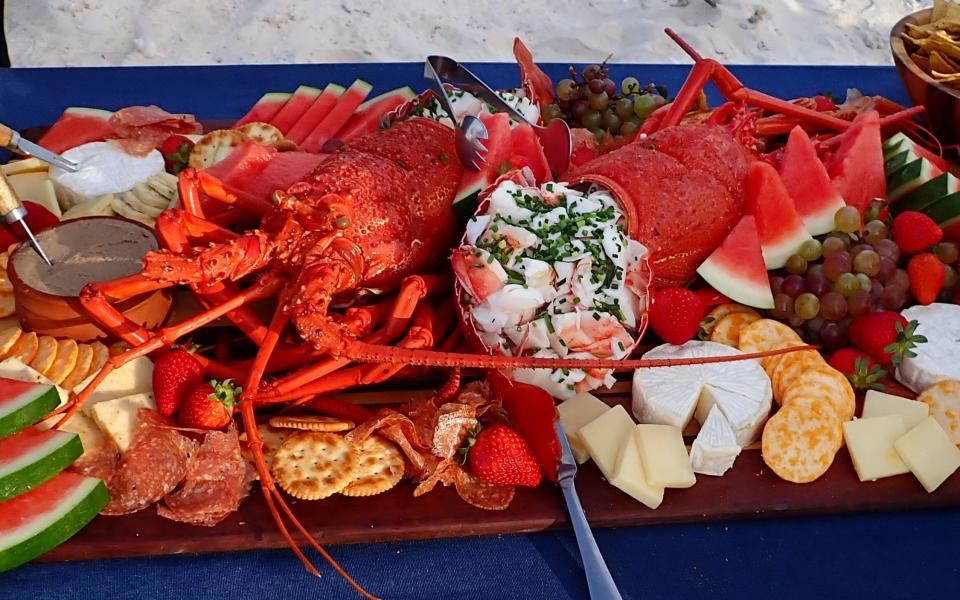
554 137
599 581
13 211
469 132
12 140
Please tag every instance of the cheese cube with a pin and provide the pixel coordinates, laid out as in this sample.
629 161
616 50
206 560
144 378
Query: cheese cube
27 165
134 377
603 436
664 456
36 187
90 434
629 476
870 442
118 417
574 414
878 404
929 453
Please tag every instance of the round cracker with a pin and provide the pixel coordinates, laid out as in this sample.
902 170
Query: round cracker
8 337
727 329
45 355
125 210
713 318
943 398
25 348
100 357
800 442
312 465
791 367
814 402
80 369
381 468
829 383
773 363
272 439
765 335
8 305
5 283
311 423
64 361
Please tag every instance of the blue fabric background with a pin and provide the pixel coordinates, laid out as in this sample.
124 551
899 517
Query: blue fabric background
901 555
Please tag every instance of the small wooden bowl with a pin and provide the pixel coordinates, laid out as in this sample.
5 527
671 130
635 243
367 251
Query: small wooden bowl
942 102
64 316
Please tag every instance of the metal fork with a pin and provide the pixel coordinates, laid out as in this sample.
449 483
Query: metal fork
555 137
470 131
599 581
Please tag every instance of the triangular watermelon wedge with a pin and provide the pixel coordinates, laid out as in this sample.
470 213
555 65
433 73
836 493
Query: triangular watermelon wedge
77 125
527 152
808 184
301 100
780 228
337 118
315 113
265 108
243 164
499 146
856 168
736 268
367 118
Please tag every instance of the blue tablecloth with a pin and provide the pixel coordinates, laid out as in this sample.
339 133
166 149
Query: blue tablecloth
898 555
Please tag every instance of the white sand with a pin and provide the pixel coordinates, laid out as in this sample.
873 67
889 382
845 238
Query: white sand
153 32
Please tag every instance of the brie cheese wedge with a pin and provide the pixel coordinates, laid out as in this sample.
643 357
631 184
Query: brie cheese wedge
715 447
104 168
936 359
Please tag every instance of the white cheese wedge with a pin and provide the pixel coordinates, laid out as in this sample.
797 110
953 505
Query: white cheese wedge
630 478
937 358
603 437
664 456
929 453
27 165
118 417
878 404
36 187
82 425
104 168
135 377
672 395
14 368
870 442
574 414
715 447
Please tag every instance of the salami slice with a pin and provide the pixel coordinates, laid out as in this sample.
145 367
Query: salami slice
140 129
453 426
150 469
217 480
100 461
487 496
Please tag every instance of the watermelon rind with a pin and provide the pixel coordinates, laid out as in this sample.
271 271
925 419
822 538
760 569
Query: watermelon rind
316 112
265 108
899 160
927 194
298 104
728 269
346 106
77 126
945 210
910 177
40 464
28 408
775 254
51 529
894 144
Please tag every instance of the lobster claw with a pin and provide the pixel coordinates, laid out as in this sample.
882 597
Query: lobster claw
533 413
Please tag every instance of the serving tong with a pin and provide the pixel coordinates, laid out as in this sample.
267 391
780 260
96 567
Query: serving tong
555 137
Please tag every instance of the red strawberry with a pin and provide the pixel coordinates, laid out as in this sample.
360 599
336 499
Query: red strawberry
914 232
498 454
176 153
38 218
174 374
209 405
824 103
710 297
886 336
926 273
675 314
860 369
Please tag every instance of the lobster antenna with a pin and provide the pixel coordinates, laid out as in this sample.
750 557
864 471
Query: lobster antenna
683 44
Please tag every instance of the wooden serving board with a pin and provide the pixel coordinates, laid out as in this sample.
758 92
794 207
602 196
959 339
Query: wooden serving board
748 490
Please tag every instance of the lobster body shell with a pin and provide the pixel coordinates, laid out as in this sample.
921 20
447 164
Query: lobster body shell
686 186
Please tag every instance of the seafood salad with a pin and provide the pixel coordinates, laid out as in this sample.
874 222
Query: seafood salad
550 272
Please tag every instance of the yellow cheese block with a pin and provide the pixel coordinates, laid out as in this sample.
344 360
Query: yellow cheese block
630 478
878 404
135 377
118 417
602 437
90 434
664 456
36 187
929 452
27 165
574 414
870 442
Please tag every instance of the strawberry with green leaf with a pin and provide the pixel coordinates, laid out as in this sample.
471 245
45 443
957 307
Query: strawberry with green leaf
498 454
886 336
176 153
209 405
862 371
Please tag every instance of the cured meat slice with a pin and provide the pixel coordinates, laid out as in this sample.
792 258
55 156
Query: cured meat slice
151 468
487 496
217 480
139 129
99 462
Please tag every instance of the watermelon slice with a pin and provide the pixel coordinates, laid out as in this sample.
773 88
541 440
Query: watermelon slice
808 184
23 403
77 125
243 164
284 170
337 118
367 118
736 268
265 108
32 456
927 194
908 178
315 113
901 142
946 213
779 226
48 515
296 106
856 168
499 145
527 152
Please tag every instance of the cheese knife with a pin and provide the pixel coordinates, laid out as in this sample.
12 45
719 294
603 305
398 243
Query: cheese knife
12 140
599 581
12 210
